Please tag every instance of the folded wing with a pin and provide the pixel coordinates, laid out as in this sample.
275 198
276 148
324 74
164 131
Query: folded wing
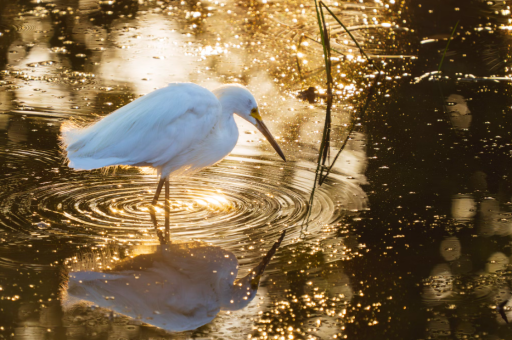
151 130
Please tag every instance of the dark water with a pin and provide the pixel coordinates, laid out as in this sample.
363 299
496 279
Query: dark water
409 238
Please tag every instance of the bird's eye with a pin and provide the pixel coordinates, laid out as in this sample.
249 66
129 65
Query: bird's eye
255 113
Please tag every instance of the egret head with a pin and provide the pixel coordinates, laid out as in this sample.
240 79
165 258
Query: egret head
237 99
242 292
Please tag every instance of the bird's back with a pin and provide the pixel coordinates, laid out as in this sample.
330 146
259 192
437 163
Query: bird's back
151 130
182 284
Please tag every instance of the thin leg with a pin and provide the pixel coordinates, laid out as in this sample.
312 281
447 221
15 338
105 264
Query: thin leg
167 210
152 212
158 191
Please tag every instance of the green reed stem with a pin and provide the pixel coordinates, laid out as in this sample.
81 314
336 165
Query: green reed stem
328 67
447 44
324 37
297 58
350 34
324 146
361 114
332 49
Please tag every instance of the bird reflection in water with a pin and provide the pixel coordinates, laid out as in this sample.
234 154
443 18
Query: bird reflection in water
180 287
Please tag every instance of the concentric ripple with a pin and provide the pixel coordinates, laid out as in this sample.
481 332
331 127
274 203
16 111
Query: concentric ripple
237 202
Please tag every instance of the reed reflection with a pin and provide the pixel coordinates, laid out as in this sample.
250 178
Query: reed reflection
178 287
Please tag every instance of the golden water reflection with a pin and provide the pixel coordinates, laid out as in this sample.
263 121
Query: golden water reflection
87 58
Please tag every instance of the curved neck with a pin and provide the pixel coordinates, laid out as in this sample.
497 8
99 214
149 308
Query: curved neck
228 107
228 101
226 122
239 294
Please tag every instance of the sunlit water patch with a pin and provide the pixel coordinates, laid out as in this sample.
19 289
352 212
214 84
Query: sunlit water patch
239 202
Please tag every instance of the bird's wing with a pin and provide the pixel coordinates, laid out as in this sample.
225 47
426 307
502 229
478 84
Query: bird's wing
140 262
149 131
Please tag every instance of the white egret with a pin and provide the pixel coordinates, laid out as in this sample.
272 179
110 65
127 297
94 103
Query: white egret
180 287
177 129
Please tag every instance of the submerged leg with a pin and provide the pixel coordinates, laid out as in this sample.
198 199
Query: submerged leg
167 210
152 210
158 191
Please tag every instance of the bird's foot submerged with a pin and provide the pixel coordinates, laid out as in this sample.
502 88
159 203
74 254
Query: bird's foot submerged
159 233
164 239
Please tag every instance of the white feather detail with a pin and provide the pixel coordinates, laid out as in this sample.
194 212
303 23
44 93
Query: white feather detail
154 130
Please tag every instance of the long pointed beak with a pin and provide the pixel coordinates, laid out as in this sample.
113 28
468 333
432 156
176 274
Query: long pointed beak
258 270
264 130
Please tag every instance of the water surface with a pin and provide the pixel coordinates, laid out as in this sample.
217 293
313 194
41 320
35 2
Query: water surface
408 238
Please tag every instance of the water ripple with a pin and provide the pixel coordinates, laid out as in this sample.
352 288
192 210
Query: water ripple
239 202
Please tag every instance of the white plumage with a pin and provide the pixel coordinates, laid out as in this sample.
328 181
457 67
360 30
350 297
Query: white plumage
177 129
180 287
176 289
